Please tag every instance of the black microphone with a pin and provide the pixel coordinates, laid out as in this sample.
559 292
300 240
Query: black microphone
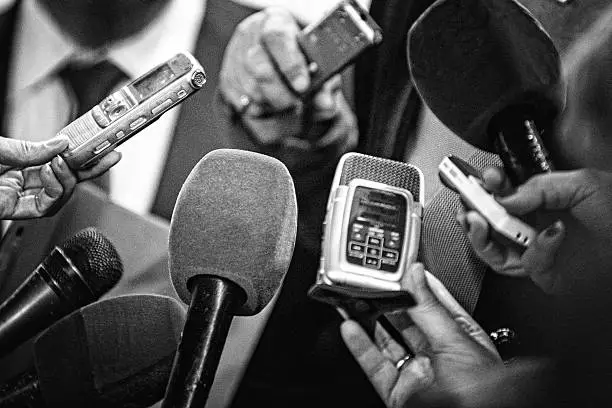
117 352
491 74
232 235
75 274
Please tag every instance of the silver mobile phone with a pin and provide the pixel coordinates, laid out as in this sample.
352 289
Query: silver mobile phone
373 223
130 109
478 199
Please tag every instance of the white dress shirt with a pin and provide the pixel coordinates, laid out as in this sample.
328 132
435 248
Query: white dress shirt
39 106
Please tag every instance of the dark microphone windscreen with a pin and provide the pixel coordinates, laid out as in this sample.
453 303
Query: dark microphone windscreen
470 59
96 258
116 352
235 218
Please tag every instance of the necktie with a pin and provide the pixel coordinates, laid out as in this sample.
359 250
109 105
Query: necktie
89 84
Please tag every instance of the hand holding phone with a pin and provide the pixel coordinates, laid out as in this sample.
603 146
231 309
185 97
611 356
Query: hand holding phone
456 174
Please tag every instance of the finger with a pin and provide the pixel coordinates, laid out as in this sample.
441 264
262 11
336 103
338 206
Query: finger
66 178
501 258
63 173
495 181
389 347
431 317
413 336
37 205
279 38
539 258
271 92
415 376
552 191
380 370
324 101
458 313
101 167
22 153
478 234
343 133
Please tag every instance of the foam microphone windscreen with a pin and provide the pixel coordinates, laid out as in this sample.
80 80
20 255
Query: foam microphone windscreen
235 218
470 59
116 352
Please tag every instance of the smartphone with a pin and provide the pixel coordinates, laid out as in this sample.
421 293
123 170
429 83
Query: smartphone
334 41
455 174
130 109
373 223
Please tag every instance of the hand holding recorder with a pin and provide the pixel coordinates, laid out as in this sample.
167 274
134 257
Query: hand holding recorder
276 76
450 349
34 182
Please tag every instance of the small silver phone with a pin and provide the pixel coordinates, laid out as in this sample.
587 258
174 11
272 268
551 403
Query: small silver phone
478 199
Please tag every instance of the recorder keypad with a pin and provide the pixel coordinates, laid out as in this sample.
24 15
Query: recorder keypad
374 247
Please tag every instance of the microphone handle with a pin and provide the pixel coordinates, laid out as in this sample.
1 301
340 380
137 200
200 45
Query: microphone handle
29 310
517 134
22 391
213 302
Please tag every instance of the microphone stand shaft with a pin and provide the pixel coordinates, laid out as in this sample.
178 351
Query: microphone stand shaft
213 303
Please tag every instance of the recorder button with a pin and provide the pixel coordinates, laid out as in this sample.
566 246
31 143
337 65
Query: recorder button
358 236
357 248
373 251
120 135
182 93
372 262
101 147
390 255
392 243
162 106
374 241
138 123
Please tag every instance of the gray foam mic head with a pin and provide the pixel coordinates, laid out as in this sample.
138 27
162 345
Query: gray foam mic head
235 218
116 352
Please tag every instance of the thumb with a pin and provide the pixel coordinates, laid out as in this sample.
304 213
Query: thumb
22 153
553 191
538 259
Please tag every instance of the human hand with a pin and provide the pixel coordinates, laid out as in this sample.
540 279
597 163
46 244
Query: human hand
263 74
573 247
35 181
450 348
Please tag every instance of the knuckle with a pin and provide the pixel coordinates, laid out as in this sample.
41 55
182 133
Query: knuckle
249 25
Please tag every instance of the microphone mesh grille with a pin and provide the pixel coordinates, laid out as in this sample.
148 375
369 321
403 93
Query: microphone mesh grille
391 172
96 258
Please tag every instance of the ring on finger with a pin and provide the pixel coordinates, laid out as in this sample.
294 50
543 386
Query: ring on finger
402 362
243 103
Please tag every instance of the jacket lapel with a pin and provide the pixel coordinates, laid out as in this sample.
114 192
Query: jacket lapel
198 131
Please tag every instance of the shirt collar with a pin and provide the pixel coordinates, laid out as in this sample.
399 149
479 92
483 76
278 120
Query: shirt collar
48 48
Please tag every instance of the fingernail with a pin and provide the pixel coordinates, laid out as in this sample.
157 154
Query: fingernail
555 229
300 83
61 162
57 142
